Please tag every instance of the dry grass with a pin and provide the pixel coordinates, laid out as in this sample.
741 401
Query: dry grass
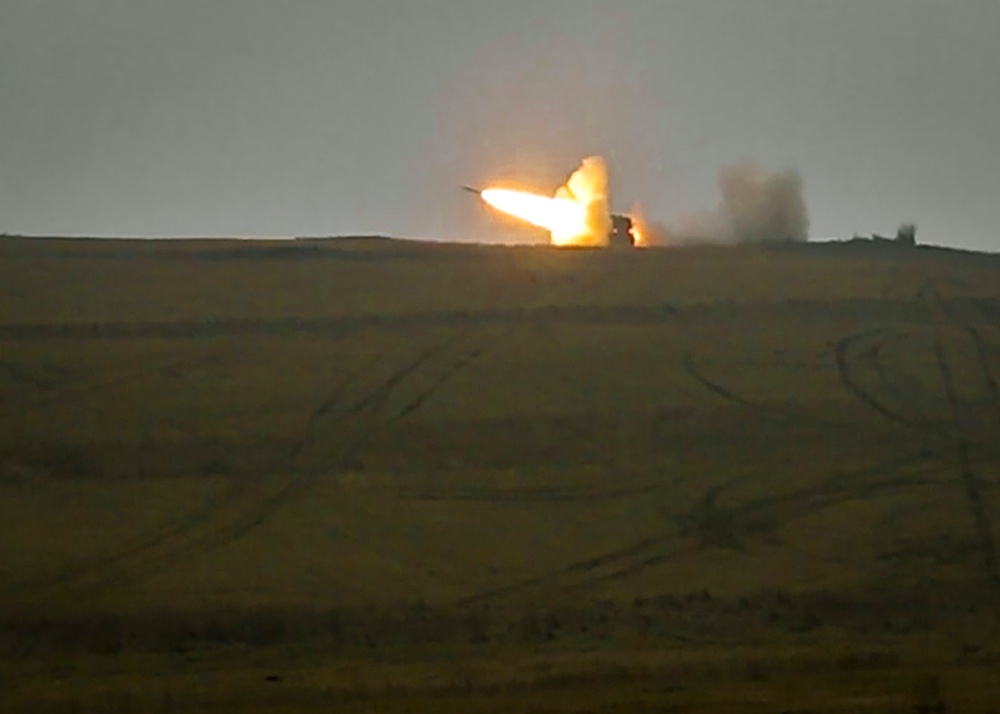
382 445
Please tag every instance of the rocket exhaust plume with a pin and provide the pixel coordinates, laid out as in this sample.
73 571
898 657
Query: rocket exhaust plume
756 206
578 214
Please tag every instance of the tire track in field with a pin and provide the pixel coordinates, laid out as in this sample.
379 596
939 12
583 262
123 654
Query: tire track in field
88 568
980 349
157 552
982 355
907 392
702 527
249 508
707 522
951 433
845 352
624 560
730 526
550 581
707 525
303 477
364 419
710 526
691 368
65 576
173 542
942 317
375 400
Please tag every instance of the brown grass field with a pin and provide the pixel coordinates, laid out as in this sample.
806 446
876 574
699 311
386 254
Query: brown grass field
378 475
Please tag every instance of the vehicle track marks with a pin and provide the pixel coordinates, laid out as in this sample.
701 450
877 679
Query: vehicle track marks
844 353
692 370
226 520
707 525
252 508
937 307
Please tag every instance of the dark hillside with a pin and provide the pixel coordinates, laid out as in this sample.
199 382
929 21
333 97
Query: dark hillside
381 444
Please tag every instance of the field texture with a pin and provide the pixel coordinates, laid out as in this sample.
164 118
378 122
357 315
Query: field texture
372 474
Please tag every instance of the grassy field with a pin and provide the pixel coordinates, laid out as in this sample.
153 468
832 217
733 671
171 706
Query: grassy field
380 475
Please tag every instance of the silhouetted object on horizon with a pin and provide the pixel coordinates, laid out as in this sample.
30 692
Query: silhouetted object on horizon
906 237
906 234
622 234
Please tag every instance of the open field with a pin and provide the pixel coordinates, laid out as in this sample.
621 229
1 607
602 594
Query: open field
378 475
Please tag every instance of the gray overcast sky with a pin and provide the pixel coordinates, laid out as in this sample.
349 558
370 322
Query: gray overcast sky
259 117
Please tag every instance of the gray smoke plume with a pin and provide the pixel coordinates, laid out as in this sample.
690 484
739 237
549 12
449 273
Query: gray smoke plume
762 207
757 206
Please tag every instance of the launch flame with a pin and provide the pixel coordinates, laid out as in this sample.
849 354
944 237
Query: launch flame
578 214
559 216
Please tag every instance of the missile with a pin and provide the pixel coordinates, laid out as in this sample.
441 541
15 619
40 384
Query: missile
476 191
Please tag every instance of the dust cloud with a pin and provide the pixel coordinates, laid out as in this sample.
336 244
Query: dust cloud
756 206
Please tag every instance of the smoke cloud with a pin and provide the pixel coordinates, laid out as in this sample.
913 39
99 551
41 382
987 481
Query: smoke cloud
762 207
756 206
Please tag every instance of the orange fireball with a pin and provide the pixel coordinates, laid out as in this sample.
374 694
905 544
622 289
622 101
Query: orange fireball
578 214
